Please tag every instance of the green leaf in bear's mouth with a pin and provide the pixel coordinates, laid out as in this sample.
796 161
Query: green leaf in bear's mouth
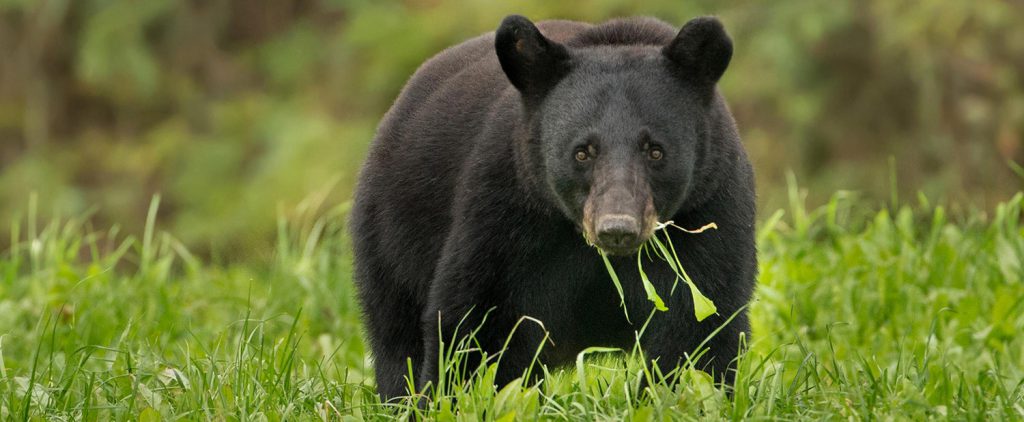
703 307
652 295
616 282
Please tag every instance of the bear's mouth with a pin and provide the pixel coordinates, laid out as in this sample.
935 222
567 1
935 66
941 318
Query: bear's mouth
619 251
624 247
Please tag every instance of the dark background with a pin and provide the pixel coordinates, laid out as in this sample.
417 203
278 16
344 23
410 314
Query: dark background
235 111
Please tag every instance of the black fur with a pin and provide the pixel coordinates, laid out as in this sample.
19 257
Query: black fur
471 200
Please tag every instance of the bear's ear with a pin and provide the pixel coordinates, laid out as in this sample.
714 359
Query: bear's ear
702 50
533 63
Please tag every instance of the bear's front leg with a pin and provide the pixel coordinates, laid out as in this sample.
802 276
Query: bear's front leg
462 327
450 323
469 315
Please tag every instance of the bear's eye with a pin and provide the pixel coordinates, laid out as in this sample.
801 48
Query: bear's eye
581 155
655 153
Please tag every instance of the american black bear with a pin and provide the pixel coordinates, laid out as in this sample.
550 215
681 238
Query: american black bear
504 154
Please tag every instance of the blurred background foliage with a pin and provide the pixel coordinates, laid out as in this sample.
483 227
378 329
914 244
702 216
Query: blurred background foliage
234 110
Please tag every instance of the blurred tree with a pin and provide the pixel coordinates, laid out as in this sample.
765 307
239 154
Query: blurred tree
230 108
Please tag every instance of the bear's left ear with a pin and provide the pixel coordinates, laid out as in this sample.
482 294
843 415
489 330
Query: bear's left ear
533 63
702 50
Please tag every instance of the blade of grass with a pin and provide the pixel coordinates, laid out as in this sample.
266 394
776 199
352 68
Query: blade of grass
652 294
616 282
581 370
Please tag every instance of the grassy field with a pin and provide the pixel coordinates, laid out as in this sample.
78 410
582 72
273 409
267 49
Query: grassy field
860 314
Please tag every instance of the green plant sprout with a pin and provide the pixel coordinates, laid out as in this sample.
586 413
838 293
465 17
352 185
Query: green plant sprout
703 307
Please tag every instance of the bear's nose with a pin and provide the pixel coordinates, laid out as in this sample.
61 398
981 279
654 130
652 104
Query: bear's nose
618 231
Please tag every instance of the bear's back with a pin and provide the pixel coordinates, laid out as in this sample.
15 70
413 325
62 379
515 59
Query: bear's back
463 81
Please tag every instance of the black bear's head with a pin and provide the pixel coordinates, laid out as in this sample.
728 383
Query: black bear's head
617 130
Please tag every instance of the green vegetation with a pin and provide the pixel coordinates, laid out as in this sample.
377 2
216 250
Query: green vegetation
859 314
249 120
702 306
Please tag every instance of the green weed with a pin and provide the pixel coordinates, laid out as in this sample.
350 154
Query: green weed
904 313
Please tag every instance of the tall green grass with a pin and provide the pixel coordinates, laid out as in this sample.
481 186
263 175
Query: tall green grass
900 313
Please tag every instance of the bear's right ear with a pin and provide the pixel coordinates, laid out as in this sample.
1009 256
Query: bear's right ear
702 50
533 63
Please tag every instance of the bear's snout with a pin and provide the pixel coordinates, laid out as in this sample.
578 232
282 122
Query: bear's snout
619 215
